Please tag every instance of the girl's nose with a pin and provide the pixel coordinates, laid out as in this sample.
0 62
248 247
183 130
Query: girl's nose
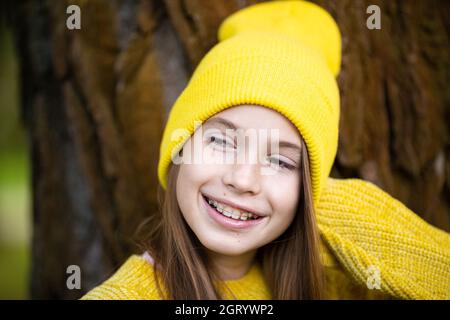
243 178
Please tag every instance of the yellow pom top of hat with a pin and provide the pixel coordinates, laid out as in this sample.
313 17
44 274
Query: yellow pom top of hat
305 21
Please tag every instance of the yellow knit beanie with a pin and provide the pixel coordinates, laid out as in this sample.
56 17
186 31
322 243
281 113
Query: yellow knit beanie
283 55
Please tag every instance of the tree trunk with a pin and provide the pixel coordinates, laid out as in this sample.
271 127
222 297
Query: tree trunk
95 101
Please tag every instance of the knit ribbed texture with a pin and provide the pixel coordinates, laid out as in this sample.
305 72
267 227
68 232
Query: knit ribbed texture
283 69
135 281
364 226
301 21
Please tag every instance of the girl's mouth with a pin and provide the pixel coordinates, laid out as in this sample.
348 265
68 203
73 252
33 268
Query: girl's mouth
230 217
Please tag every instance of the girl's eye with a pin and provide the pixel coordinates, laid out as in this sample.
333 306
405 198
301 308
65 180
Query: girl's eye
221 142
281 164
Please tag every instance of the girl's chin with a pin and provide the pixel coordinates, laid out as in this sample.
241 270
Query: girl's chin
229 252
231 247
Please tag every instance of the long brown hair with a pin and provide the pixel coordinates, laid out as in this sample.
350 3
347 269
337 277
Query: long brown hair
183 267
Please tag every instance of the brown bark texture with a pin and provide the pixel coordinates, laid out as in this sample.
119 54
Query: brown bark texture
95 100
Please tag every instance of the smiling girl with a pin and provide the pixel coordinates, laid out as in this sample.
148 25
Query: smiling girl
240 214
262 219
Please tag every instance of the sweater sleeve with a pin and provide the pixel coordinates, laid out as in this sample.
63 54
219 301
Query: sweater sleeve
339 284
373 236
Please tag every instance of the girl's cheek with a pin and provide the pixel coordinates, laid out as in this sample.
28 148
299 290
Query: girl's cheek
215 163
284 203
199 165
196 175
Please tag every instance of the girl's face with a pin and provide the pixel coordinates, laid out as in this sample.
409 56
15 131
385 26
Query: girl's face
241 178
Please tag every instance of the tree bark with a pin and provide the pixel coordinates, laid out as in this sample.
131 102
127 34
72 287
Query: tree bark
95 100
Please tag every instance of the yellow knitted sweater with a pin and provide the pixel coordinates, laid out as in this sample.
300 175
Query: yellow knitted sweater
135 280
367 236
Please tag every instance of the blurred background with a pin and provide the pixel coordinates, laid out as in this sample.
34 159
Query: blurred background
82 113
15 214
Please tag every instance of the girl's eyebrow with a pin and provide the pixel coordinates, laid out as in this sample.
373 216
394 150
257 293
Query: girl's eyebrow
286 144
229 124
222 121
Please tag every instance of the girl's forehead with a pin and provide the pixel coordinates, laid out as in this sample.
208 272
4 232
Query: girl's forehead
256 117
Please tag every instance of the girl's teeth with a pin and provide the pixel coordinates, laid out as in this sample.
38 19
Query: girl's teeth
236 214
230 212
226 213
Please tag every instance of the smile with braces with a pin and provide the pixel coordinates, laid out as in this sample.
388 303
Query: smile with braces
230 212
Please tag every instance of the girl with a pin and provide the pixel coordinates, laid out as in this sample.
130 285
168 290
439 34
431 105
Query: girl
237 219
